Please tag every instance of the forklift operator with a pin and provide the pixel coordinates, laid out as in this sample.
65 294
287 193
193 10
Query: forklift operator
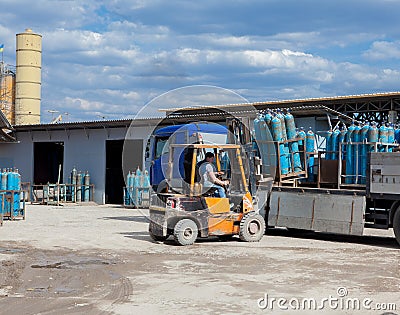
209 174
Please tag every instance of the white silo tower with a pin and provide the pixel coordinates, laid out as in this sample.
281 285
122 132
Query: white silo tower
28 78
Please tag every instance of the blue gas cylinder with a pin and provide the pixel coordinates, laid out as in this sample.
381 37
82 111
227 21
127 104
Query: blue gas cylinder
281 117
301 135
276 126
328 145
373 136
128 180
383 137
17 195
4 179
263 135
290 126
137 185
1 188
363 152
10 186
391 138
286 150
127 193
86 181
132 189
350 168
356 136
294 145
268 118
138 178
79 179
146 179
397 135
259 131
335 144
341 140
310 146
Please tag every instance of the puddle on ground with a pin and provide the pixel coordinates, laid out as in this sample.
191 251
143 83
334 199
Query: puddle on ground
68 264
10 250
63 290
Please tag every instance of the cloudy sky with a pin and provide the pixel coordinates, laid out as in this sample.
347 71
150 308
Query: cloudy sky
110 58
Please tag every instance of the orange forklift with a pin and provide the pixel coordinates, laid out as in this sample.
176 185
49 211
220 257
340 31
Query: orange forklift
189 210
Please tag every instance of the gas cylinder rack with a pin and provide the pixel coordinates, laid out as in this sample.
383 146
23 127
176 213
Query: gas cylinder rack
276 133
137 190
78 189
12 197
348 148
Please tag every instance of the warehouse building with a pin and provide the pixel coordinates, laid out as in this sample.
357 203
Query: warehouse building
47 153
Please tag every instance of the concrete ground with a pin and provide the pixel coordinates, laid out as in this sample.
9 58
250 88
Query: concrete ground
100 260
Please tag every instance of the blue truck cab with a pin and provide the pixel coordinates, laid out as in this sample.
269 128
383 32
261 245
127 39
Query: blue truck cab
157 150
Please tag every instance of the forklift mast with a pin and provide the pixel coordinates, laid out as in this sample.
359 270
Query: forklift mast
239 132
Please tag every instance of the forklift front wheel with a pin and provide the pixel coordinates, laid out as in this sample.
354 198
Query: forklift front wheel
252 228
185 232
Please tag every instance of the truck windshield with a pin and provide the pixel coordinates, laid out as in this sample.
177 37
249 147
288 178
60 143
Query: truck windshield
160 144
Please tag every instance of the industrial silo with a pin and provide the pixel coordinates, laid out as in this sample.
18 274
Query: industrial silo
7 93
28 78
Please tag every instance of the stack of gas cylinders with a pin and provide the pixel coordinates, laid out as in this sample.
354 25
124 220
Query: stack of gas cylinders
79 186
10 186
280 128
352 145
137 188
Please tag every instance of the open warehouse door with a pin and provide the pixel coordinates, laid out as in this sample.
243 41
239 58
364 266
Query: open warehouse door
48 162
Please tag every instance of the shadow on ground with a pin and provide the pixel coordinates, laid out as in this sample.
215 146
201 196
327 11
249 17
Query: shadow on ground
139 219
144 236
140 235
376 241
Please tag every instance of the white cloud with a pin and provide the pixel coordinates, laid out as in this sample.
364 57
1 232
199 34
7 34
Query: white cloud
382 50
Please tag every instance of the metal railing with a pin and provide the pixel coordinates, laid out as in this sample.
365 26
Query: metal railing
8 209
62 193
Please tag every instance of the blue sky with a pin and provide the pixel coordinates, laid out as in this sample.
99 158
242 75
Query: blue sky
110 58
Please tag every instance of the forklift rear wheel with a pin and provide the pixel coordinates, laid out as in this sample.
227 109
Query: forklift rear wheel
396 225
252 227
185 232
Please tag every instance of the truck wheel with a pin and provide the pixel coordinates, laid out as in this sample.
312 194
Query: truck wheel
185 232
157 238
396 225
252 228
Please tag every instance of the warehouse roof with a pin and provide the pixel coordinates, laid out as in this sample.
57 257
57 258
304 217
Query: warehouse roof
98 124
293 102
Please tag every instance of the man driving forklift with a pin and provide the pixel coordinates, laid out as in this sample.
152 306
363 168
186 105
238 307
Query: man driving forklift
209 175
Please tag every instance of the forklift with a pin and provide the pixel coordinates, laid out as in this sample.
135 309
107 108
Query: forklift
192 211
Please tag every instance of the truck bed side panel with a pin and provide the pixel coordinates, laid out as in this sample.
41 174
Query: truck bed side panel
333 213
